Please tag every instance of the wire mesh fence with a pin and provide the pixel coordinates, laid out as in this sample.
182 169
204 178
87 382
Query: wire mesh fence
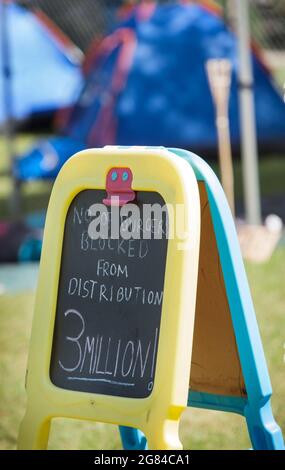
81 20
267 28
84 20
267 21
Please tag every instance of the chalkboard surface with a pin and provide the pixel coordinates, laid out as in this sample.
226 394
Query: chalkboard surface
109 306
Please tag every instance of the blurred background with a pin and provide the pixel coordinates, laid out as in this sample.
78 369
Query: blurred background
76 74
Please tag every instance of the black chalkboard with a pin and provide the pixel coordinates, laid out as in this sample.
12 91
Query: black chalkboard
109 305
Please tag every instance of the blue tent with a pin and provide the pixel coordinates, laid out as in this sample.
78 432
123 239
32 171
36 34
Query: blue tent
44 78
165 97
147 85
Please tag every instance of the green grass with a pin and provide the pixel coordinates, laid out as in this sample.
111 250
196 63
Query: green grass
280 77
200 429
271 175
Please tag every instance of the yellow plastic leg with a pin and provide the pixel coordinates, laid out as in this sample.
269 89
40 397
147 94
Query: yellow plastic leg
164 436
34 432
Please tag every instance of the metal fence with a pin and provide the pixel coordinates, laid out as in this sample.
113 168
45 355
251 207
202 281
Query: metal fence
267 27
267 21
83 20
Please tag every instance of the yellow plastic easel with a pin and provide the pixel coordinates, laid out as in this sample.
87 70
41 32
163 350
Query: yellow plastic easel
157 415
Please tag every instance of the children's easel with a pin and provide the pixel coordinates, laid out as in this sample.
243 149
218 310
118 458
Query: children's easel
57 359
228 367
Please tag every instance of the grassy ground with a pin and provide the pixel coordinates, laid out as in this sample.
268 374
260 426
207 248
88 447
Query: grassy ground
280 76
200 429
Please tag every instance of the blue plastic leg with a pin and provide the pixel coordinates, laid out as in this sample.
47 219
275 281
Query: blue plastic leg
264 432
132 439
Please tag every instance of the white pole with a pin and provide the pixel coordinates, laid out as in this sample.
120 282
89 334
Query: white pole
247 118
